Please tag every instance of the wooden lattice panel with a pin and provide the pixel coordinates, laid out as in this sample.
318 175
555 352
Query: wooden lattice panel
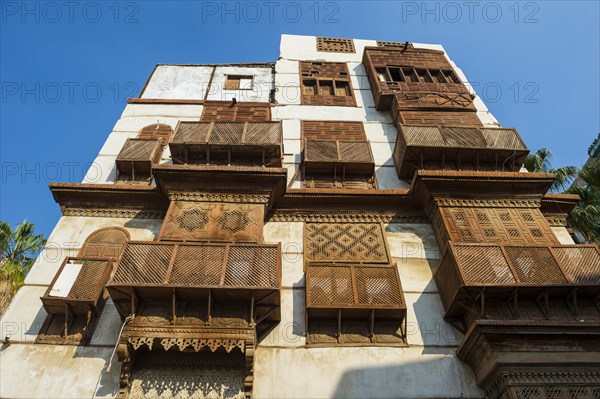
535 265
345 242
198 265
105 243
564 391
326 83
225 111
333 130
502 225
581 263
354 182
335 45
157 131
353 285
216 221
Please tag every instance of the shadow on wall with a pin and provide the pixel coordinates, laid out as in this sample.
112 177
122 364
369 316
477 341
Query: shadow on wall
430 325
442 377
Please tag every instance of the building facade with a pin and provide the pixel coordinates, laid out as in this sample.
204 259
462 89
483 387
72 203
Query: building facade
347 222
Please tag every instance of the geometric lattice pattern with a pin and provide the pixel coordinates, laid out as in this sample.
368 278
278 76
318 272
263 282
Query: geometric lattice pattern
483 265
353 286
345 242
192 219
86 291
535 265
497 225
88 281
198 265
581 263
335 45
233 221
488 264
161 375
557 392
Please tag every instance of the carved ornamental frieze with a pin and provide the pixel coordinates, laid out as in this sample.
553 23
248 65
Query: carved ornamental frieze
189 221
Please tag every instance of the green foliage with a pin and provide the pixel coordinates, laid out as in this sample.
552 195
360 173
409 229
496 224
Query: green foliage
18 250
541 162
585 217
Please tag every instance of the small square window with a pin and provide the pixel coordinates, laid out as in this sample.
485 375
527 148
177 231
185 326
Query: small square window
238 82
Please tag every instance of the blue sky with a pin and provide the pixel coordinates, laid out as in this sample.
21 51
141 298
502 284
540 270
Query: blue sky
66 69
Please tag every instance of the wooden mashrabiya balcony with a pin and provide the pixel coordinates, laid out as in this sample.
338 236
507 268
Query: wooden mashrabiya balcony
441 147
478 272
77 291
202 285
78 286
251 143
354 304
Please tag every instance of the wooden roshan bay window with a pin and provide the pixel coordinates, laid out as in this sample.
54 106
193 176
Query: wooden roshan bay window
326 83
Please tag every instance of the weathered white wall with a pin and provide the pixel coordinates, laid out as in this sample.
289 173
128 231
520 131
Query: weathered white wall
179 82
563 235
259 92
134 118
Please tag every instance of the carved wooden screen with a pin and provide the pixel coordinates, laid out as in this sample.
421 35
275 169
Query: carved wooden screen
335 45
158 131
105 243
507 225
345 242
191 221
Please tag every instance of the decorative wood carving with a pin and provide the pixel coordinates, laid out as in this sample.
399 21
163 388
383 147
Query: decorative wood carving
72 316
335 45
158 131
213 221
199 339
345 242
107 242
226 111
357 216
114 213
507 225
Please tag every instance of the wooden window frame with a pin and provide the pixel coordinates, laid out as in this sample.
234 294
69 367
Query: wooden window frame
239 79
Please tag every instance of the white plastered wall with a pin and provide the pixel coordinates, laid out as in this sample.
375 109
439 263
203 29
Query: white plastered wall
259 91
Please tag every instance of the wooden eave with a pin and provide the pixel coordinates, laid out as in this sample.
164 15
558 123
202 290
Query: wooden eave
84 195
429 184
559 203
332 199
172 179
487 343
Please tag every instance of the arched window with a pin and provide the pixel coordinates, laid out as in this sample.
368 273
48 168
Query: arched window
105 243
